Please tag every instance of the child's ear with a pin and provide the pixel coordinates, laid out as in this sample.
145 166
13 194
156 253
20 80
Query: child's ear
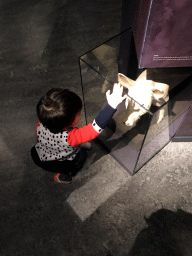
125 81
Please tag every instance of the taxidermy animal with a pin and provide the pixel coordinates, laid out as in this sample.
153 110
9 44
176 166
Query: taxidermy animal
146 92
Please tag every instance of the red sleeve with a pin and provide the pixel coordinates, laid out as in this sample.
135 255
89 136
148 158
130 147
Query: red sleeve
82 135
37 127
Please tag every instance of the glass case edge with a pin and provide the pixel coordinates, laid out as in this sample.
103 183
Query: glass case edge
151 116
82 91
105 41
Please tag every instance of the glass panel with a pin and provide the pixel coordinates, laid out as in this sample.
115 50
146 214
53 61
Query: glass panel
122 143
180 104
157 136
104 60
130 141
184 132
94 98
174 112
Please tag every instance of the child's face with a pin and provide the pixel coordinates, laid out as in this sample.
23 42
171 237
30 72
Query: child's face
77 118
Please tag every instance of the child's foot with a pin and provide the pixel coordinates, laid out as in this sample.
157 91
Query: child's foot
86 145
63 178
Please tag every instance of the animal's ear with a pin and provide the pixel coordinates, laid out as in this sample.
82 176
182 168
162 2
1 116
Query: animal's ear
142 76
160 91
125 81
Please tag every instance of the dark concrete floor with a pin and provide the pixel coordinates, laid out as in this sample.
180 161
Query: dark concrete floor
103 209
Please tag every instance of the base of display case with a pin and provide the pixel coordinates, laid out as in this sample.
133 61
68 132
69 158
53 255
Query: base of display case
184 133
182 139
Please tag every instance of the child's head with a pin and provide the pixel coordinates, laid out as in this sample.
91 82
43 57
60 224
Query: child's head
58 109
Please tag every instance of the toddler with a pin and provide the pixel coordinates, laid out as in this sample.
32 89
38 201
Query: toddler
61 147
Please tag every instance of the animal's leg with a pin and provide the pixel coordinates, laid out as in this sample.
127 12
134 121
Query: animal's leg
160 115
132 119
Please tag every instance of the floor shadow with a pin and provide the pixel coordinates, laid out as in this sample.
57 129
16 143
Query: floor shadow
168 234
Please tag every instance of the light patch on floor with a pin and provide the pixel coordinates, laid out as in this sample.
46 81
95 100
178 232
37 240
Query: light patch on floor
94 193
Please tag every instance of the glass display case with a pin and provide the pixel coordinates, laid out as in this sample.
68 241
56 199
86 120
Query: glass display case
133 146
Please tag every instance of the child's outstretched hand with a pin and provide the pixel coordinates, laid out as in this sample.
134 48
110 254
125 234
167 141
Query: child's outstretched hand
115 98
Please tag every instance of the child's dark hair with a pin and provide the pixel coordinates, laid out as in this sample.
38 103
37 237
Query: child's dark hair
58 109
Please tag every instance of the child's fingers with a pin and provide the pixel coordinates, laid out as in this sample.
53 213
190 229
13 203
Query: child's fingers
119 88
124 97
108 93
116 87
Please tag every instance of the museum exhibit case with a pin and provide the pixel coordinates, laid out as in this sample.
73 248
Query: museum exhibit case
137 132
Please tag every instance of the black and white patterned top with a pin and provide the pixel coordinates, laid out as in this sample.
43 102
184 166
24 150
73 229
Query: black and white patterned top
52 146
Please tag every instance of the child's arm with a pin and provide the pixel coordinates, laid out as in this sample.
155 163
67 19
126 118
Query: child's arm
91 131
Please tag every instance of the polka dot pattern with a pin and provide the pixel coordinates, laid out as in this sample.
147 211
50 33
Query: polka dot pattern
52 146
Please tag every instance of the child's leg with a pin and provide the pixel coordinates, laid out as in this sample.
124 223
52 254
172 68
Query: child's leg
65 169
52 166
80 160
77 164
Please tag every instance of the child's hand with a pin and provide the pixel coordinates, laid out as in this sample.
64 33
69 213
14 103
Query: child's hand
115 98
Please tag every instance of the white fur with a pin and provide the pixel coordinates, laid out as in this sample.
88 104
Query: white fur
145 92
